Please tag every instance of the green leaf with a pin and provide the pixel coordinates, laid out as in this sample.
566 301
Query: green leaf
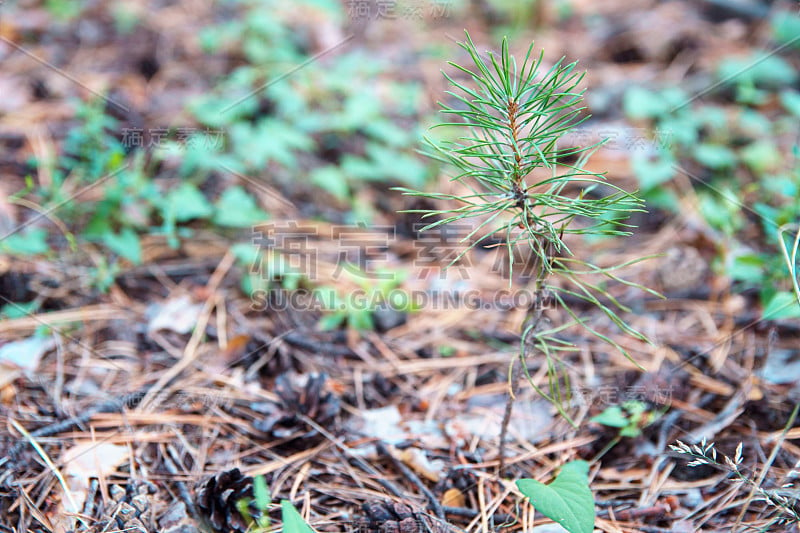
631 431
681 130
64 9
714 117
332 179
269 140
614 417
762 69
786 28
640 103
635 407
202 155
791 102
748 268
714 156
721 210
388 132
220 111
748 94
332 321
754 123
652 172
447 351
662 198
246 254
125 243
19 310
29 242
261 493
782 184
360 319
292 521
782 305
236 208
186 202
567 500
761 156
383 163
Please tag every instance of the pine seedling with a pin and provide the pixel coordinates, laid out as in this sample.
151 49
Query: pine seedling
522 185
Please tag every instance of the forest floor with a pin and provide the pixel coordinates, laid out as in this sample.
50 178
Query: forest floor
158 374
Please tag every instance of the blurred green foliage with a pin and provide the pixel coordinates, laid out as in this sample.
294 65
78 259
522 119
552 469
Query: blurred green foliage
335 120
357 309
64 10
107 194
738 160
330 122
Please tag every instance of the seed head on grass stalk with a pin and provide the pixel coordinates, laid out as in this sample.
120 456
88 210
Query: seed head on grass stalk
521 188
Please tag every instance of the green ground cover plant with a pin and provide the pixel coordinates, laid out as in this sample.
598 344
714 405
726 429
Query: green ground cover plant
134 200
339 120
256 511
740 159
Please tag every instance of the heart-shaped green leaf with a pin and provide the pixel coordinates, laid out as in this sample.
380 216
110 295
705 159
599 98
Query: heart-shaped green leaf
567 500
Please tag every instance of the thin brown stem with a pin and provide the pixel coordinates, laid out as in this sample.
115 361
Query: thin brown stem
513 110
512 390
529 327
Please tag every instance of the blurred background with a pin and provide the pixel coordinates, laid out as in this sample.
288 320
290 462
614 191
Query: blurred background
214 116
164 163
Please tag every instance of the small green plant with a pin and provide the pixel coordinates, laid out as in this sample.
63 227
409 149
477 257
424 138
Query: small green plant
102 191
93 158
518 185
266 270
357 308
567 500
256 511
630 417
782 500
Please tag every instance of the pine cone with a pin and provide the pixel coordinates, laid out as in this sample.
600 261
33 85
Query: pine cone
395 517
310 400
217 499
129 508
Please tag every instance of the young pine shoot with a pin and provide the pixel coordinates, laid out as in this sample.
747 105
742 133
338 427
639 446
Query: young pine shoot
518 180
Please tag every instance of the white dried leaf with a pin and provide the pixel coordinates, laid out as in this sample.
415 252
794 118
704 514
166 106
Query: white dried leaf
178 314
27 353
88 460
